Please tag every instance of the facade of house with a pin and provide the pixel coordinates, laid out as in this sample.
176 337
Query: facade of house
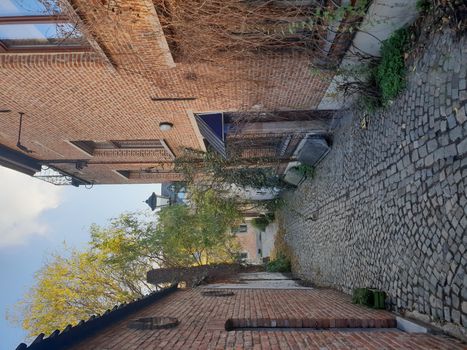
112 91
246 313
255 244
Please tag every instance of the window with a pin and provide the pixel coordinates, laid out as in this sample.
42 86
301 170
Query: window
25 8
124 173
29 25
139 144
91 146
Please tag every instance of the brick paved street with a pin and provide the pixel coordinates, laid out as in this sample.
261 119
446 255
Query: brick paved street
390 201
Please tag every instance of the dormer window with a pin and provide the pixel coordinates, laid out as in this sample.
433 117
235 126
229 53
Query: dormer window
29 26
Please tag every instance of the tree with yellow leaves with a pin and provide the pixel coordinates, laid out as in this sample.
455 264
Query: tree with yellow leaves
69 289
75 285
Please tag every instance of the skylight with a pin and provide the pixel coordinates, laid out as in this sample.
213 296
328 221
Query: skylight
36 25
20 35
27 8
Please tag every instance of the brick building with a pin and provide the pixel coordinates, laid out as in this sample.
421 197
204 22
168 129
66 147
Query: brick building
110 94
239 316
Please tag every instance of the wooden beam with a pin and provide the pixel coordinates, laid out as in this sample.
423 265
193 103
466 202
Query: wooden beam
33 19
173 98
284 127
48 49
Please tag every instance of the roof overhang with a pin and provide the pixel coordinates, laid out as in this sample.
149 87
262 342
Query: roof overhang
18 161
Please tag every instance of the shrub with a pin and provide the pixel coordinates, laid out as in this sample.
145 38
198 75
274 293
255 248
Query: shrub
272 205
263 221
369 297
424 5
390 72
260 223
362 296
305 170
280 264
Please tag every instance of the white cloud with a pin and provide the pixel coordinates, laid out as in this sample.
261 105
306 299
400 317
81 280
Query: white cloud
22 200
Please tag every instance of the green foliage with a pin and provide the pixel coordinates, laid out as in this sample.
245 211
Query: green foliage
369 104
271 205
361 296
260 223
280 264
333 14
270 216
390 73
122 245
369 297
379 298
197 236
329 14
263 221
306 170
424 5
306 25
381 80
253 177
242 172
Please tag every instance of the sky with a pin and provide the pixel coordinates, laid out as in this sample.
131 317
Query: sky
37 217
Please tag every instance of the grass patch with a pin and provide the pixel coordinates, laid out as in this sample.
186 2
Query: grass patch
424 5
280 264
282 257
369 297
370 98
390 73
379 81
305 170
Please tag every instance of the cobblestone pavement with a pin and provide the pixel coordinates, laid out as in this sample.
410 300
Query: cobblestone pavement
390 202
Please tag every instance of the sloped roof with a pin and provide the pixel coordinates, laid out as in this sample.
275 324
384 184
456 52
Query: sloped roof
71 335
18 161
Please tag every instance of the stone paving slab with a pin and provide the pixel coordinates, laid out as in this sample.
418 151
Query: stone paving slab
265 284
388 206
264 276
260 280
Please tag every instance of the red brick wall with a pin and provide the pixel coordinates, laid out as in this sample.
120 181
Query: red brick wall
78 96
202 321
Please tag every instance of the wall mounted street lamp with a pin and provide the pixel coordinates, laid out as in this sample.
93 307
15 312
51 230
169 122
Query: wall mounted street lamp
154 201
165 126
18 143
